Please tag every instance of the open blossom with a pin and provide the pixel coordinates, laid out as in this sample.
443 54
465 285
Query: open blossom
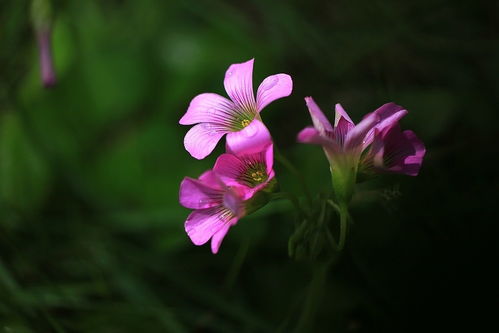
251 171
377 135
238 117
222 196
216 206
395 151
345 139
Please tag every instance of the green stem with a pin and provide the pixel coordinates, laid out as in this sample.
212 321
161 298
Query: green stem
342 210
334 205
313 298
343 226
237 264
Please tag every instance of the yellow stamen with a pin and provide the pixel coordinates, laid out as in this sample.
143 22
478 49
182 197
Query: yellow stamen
245 122
257 176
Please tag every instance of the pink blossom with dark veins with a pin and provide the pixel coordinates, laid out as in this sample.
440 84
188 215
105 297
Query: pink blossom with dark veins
216 207
238 117
222 196
378 134
395 151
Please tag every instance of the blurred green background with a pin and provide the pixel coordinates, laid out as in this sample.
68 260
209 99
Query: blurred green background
91 232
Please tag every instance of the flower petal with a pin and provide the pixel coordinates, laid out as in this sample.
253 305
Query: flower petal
211 179
318 118
195 194
269 160
398 152
238 83
251 139
388 114
201 139
412 164
202 224
312 135
209 108
218 237
233 200
342 125
229 167
272 88
387 110
339 113
341 130
355 137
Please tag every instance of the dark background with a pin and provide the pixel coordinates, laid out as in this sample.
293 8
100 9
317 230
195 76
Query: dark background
91 232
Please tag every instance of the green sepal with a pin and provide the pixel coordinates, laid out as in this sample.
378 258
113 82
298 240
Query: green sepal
343 179
262 197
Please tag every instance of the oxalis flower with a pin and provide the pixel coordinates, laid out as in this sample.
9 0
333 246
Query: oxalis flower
237 186
394 151
238 117
374 144
251 171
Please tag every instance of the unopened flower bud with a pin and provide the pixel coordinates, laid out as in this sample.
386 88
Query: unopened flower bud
41 15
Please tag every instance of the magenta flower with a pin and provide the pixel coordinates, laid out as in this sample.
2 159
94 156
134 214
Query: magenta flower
345 138
344 144
238 117
224 195
251 171
395 151
216 206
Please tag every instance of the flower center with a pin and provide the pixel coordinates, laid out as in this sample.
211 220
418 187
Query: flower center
245 122
257 176
241 117
254 174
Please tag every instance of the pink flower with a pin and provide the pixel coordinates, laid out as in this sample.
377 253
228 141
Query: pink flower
344 144
238 117
395 151
216 206
251 171
222 196
345 139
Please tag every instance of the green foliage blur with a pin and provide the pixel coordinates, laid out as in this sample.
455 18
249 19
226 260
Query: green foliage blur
91 232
